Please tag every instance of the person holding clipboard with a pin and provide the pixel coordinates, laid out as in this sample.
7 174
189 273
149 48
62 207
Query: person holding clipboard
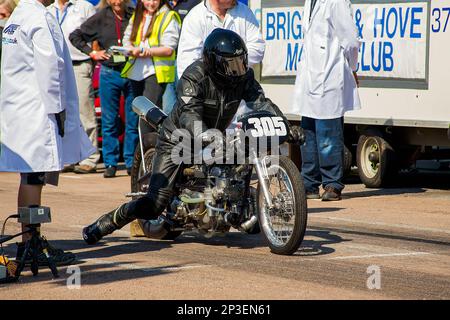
107 27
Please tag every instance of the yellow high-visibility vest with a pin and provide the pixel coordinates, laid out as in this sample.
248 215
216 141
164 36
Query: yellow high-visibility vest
164 66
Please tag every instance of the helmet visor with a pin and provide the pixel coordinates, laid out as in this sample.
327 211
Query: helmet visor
233 66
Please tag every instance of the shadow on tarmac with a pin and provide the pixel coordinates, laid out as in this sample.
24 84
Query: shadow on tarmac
323 210
100 271
414 178
381 192
105 248
388 235
319 247
413 181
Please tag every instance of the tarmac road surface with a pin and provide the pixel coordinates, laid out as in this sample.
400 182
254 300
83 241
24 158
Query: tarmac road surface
375 244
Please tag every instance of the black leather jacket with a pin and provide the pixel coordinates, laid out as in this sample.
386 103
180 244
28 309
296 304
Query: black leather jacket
199 99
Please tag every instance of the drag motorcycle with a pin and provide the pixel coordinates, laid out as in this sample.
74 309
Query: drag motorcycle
265 193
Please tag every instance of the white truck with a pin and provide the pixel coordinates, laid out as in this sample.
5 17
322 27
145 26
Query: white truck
404 73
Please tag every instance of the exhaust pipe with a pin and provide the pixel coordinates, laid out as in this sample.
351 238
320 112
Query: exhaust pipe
247 225
148 111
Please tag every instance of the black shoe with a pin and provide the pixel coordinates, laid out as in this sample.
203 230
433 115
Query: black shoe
100 228
110 172
59 256
105 225
129 171
312 195
331 194
68 168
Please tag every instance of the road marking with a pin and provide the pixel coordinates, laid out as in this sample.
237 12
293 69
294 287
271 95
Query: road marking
131 266
381 255
85 176
403 226
70 177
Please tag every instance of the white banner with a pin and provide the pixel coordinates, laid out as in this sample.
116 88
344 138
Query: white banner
394 40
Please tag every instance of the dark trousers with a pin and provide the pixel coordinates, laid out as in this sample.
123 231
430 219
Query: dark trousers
149 88
162 183
323 153
153 91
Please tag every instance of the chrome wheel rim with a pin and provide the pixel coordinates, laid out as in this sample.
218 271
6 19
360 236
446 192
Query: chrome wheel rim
278 223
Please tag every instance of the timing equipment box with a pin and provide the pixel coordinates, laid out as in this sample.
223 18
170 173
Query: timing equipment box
34 215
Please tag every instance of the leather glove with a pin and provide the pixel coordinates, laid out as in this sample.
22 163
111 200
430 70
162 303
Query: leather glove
296 135
60 120
209 137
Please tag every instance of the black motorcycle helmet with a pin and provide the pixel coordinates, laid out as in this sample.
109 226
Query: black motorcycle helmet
225 57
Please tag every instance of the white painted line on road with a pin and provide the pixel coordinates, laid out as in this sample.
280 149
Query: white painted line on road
84 176
381 255
403 226
131 266
70 177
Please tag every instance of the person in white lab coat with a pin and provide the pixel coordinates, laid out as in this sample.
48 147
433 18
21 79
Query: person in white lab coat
326 88
212 14
39 119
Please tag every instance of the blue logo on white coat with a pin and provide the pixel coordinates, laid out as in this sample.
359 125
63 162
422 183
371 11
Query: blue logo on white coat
11 29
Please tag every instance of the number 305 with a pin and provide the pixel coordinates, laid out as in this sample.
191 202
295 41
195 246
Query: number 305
268 127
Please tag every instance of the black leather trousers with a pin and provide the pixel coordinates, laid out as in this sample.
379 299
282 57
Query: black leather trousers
162 182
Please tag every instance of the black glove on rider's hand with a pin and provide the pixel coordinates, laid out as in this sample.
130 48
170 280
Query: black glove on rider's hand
60 120
209 137
296 135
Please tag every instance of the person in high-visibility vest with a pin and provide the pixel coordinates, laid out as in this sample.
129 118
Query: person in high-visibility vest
152 38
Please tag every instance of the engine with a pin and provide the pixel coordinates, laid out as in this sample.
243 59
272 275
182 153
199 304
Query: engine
220 205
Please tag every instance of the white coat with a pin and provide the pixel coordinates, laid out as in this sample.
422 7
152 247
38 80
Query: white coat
37 82
325 87
201 21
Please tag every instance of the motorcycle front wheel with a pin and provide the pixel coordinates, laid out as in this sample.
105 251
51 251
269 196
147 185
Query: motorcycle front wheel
284 223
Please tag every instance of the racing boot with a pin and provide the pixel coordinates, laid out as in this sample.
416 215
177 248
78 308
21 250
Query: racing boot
107 224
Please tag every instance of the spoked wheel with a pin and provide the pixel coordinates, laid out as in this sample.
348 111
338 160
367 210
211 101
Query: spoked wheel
137 171
158 228
284 223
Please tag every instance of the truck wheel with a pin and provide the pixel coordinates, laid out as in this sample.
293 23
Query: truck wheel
376 160
348 159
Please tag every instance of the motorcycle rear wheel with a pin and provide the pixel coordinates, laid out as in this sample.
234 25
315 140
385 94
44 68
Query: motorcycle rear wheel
284 227
159 229
137 170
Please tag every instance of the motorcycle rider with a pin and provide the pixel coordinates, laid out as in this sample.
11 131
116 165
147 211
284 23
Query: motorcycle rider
210 91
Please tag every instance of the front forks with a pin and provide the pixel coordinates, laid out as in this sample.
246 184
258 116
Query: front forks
263 177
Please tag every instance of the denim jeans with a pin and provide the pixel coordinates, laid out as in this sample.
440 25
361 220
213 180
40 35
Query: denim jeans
111 87
323 153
